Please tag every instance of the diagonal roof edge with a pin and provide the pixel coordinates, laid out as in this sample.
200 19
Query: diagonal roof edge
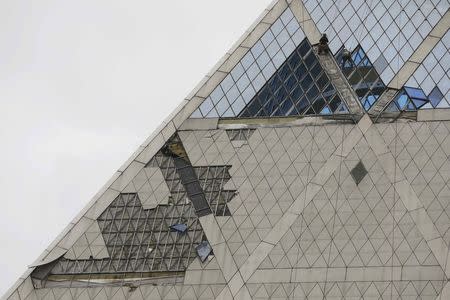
156 140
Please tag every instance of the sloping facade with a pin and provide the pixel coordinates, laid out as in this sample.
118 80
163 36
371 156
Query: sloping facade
285 174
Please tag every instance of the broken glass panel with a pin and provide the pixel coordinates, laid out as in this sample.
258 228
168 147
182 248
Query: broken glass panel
362 76
203 251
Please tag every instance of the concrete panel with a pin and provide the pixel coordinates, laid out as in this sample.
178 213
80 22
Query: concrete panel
204 277
436 114
255 259
271 276
199 124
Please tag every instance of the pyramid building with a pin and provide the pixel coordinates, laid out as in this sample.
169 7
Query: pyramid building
285 174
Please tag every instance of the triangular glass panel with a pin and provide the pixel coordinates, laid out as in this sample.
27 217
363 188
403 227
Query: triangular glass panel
326 111
258 65
298 87
362 76
342 109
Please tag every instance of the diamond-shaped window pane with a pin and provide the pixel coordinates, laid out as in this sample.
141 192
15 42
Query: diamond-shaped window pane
204 250
359 172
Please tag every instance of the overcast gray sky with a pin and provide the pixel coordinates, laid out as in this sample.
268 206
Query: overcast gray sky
82 84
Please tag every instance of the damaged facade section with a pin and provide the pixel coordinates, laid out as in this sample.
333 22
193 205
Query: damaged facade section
129 242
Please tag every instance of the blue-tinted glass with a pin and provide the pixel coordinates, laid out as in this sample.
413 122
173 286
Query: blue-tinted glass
318 105
310 60
179 228
342 109
334 103
291 82
312 93
326 111
405 102
291 90
281 94
371 99
293 112
329 92
284 108
410 106
303 49
435 96
419 102
362 76
415 93
264 94
322 81
302 105
294 60
253 109
204 250
306 82
378 88
301 71
402 100
274 82
357 57
263 113
347 65
206 106
270 106
284 72
365 62
316 70
297 92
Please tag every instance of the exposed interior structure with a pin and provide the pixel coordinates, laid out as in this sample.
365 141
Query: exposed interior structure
286 174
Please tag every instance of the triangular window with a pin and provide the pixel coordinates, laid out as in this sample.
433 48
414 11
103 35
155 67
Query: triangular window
279 76
298 87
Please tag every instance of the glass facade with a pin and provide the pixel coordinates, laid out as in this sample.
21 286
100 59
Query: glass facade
254 70
299 87
381 36
389 31
408 99
352 203
362 76
432 76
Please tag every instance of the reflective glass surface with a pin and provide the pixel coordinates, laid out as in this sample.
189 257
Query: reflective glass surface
362 76
255 68
388 30
408 99
432 76
299 87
